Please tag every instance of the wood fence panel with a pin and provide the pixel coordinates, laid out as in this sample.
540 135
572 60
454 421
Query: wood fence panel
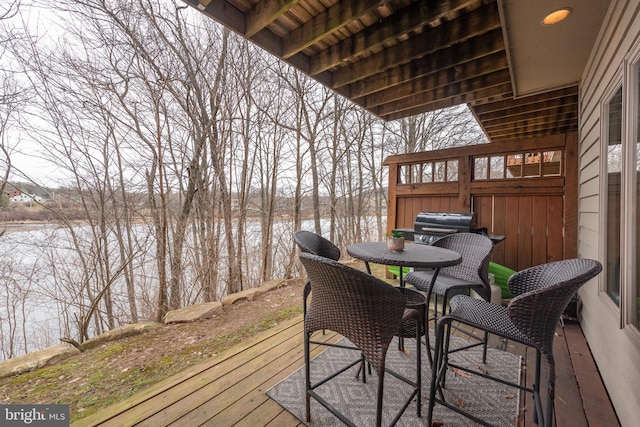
555 227
539 230
499 226
535 214
525 208
511 223
401 213
425 205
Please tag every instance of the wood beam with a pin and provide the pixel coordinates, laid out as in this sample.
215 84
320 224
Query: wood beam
325 23
553 143
410 18
222 12
533 126
480 107
438 84
533 133
470 50
264 13
466 27
559 104
464 98
541 115
421 96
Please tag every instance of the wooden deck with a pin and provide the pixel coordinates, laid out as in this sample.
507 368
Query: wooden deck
230 389
581 399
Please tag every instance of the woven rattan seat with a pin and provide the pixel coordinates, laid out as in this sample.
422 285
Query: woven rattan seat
541 295
369 313
471 274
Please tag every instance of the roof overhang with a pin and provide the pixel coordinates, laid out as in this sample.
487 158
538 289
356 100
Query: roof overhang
400 58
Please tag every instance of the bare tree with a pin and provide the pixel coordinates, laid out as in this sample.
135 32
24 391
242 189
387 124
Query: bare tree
11 94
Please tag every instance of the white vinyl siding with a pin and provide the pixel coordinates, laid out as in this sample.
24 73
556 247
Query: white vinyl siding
615 343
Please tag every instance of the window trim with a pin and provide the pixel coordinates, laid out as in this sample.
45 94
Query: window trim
614 85
629 274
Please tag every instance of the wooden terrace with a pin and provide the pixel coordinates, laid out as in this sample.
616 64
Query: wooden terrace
231 388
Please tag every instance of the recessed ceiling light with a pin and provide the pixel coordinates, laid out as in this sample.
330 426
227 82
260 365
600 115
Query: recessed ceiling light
556 16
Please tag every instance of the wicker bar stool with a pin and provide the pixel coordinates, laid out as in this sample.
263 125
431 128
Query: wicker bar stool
471 274
369 313
541 294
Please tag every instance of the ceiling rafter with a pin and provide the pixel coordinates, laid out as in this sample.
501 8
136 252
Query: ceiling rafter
442 37
487 65
325 23
410 18
539 116
449 96
264 13
456 55
398 58
427 95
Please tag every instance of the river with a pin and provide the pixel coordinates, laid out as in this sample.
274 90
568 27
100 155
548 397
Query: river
40 276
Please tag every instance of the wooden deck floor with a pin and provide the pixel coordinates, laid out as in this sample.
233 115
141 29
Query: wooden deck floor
581 399
230 389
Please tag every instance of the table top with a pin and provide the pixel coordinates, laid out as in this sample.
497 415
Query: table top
413 255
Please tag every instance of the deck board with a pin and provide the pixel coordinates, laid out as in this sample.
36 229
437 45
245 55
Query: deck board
222 391
231 388
597 405
567 387
152 400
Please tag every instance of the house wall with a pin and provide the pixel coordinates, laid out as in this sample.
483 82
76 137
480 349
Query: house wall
616 349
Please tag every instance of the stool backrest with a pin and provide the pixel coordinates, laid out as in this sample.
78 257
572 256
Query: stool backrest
361 307
475 250
315 244
541 295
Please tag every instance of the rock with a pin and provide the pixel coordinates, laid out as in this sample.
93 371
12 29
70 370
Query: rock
273 284
37 359
248 295
193 313
119 333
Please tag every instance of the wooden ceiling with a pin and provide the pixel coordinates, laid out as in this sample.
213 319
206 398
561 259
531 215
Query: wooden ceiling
399 58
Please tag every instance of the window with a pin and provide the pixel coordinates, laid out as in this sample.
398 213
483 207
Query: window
452 170
440 171
635 185
621 194
613 111
497 168
480 166
518 165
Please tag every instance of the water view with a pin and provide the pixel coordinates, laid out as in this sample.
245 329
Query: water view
45 271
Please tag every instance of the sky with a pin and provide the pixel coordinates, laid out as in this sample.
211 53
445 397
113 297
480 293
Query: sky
27 163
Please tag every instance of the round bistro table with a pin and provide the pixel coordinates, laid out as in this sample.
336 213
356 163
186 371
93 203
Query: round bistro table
414 255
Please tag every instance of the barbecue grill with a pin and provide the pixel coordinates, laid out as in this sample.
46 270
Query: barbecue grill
430 226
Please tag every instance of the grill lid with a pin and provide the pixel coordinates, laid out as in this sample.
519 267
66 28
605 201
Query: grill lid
445 222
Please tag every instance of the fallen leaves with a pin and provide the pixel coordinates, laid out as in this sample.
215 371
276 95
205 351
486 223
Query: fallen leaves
461 373
481 369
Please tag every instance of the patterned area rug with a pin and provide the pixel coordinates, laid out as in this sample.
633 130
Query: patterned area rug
491 401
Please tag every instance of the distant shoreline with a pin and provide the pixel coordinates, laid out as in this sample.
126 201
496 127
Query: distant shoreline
12 227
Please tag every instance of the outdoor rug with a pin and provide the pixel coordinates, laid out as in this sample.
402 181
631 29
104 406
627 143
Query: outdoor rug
491 401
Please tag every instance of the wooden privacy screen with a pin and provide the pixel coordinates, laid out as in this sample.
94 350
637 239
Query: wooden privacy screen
525 190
